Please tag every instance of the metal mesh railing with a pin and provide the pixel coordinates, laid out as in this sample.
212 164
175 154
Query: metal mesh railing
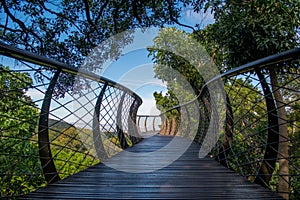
262 143
259 137
56 120
149 124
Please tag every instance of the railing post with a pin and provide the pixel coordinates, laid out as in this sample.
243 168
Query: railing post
132 126
163 130
162 123
49 169
206 114
169 126
177 122
188 128
145 124
100 150
228 136
120 131
138 124
153 124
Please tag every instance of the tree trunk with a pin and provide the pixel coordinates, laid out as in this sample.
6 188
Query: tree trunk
164 126
283 154
270 157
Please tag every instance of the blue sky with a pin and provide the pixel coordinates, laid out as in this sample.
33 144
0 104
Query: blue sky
134 68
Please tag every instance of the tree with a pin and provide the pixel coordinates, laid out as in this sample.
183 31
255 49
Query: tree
176 56
165 103
248 30
185 66
177 72
67 30
19 170
249 121
291 84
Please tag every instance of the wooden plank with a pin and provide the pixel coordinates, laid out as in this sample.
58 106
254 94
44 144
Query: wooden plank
187 178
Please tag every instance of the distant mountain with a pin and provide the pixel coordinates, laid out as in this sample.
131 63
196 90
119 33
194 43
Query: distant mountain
62 125
59 125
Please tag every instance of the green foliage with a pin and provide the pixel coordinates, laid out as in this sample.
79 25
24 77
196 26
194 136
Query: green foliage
68 30
182 63
165 102
250 126
246 31
176 56
19 169
292 98
68 137
112 144
69 162
69 148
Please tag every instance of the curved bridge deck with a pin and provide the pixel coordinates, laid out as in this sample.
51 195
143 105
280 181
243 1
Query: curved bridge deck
187 178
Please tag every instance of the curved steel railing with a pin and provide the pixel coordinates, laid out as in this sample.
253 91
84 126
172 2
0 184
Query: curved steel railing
257 141
64 120
74 120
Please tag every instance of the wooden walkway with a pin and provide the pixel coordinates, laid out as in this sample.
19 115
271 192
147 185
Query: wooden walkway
187 178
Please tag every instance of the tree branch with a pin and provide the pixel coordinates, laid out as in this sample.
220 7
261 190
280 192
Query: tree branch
20 23
9 29
135 13
174 19
101 11
60 15
6 23
88 14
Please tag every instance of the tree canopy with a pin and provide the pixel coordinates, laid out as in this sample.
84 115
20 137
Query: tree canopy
245 31
18 120
67 30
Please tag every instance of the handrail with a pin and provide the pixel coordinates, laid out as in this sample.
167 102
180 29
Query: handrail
257 134
260 63
107 109
283 56
252 121
33 58
252 66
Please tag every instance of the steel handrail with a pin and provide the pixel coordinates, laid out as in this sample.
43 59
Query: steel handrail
33 58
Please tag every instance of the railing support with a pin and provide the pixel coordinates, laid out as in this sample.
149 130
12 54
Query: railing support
49 169
228 136
100 150
132 126
145 124
153 123
120 131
